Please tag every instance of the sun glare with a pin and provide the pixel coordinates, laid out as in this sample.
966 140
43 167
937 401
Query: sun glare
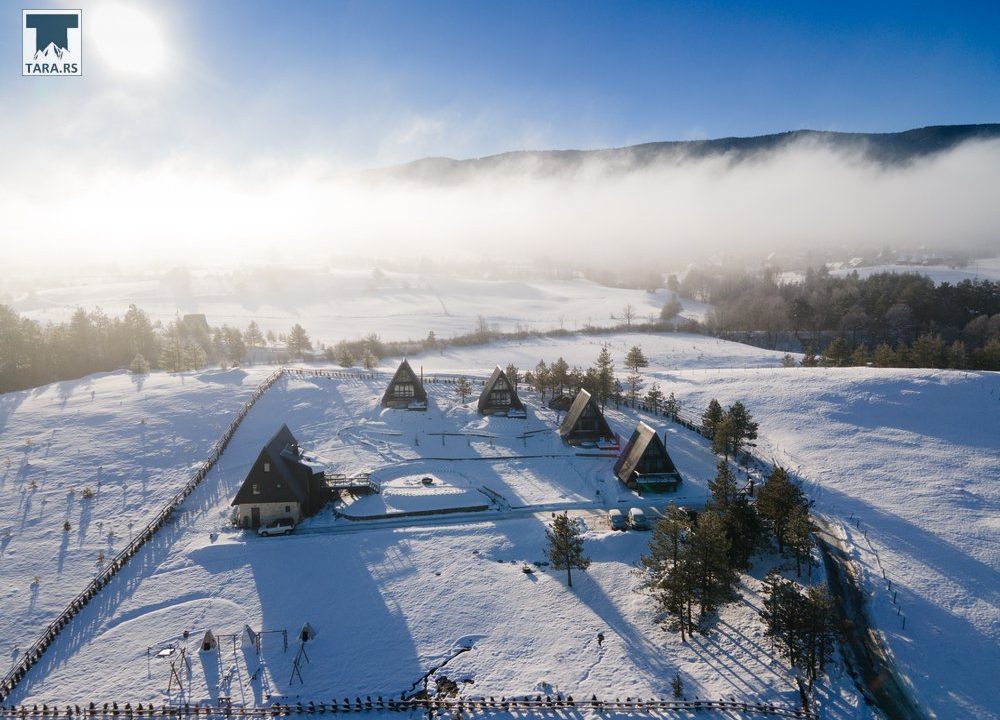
128 40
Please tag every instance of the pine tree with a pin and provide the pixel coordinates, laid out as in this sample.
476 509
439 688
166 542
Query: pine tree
635 360
565 546
234 344
463 388
369 361
776 501
252 336
666 573
558 376
799 537
513 374
723 488
139 365
711 418
787 360
677 685
634 382
604 369
722 438
743 429
541 378
671 407
860 357
298 342
654 398
884 356
837 353
345 358
958 359
714 578
809 358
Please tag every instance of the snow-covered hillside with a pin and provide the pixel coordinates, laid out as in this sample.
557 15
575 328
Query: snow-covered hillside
911 456
344 304
389 603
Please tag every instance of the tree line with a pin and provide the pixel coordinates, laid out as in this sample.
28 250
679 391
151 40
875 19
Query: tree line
889 319
694 561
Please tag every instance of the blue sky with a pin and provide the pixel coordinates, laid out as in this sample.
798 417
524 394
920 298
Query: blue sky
202 123
373 82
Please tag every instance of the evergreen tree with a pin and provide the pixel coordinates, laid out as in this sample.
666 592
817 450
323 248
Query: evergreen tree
635 360
837 353
542 378
668 568
654 398
884 356
722 438
809 358
723 488
713 575
787 360
252 336
565 546
671 407
139 365
604 369
513 374
298 342
776 501
234 346
558 376
711 418
677 686
799 537
345 358
463 388
743 429
957 356
369 361
634 382
860 357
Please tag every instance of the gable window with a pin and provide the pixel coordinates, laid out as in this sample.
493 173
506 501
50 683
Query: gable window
267 467
500 397
404 390
256 489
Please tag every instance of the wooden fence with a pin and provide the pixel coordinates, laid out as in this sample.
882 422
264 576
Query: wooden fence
559 706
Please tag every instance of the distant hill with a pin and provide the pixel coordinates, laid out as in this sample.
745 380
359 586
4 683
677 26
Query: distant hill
889 149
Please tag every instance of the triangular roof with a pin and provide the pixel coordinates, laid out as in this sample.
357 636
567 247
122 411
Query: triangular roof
498 377
581 403
404 373
279 485
644 438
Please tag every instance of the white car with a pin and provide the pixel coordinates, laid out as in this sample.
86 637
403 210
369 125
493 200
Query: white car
616 520
281 526
637 519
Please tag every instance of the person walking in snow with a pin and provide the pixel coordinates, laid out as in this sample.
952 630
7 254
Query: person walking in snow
600 639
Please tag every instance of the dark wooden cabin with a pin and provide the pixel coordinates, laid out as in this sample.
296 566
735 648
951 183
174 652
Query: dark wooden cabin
282 483
499 396
584 422
406 390
645 464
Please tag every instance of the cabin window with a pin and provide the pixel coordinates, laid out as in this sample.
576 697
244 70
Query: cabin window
288 508
256 489
267 467
404 390
500 397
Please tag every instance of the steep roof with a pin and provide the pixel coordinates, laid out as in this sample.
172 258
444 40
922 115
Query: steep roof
498 379
404 373
644 438
281 483
584 403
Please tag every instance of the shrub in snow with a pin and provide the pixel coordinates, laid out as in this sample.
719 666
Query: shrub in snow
66 526
87 493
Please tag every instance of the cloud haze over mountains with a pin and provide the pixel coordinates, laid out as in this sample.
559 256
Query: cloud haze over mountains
678 200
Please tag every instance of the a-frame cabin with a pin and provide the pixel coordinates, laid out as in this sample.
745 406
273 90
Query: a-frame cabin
406 390
499 396
584 422
282 483
645 464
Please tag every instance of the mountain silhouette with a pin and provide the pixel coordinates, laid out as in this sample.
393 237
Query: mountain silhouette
886 149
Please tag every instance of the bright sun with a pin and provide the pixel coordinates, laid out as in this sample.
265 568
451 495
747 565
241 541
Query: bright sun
127 39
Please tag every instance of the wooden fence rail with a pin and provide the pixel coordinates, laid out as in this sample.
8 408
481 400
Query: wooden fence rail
559 706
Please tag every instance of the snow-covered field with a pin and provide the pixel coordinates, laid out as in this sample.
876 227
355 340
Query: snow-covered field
912 454
984 269
348 304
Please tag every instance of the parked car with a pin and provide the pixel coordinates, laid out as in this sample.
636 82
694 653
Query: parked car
637 519
281 526
616 520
